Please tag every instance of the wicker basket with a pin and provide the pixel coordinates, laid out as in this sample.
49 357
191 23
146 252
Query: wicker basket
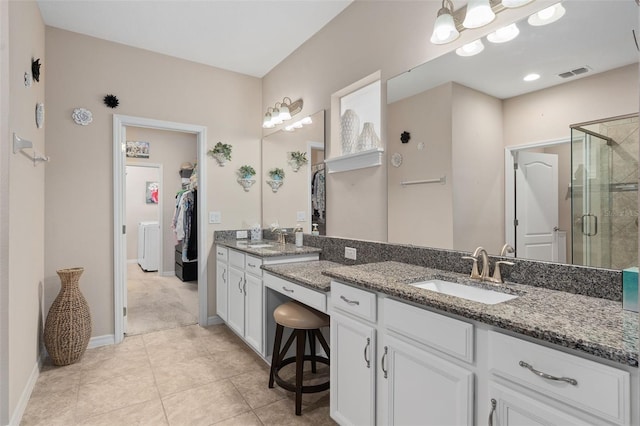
68 327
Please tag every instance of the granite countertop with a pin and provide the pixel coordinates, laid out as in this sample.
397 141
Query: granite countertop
307 274
592 325
275 249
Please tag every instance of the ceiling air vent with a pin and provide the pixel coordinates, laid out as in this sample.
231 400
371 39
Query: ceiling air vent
574 72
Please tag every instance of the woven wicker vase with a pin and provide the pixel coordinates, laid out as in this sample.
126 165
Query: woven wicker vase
68 327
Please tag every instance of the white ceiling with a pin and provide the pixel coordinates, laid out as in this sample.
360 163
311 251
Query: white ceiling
246 36
593 33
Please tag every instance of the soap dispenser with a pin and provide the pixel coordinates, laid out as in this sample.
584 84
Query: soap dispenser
298 234
315 231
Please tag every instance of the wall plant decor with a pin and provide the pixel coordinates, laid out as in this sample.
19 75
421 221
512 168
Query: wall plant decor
297 159
277 178
221 152
245 176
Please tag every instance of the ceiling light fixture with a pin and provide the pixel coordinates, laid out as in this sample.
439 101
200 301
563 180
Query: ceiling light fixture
479 14
504 34
547 16
531 77
444 30
470 49
515 3
281 112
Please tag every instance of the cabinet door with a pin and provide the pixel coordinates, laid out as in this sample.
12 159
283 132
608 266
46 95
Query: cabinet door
417 387
235 308
253 312
222 286
352 371
512 408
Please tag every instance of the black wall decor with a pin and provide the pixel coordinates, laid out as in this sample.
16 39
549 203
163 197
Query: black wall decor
111 101
35 69
405 137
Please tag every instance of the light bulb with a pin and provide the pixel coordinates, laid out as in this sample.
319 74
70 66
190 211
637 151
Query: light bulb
504 34
470 49
444 30
479 14
547 16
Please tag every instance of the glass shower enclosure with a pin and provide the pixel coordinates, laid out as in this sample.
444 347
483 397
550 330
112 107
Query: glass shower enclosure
604 193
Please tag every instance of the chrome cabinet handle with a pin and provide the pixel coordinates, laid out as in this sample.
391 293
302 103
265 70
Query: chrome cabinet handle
251 265
493 410
244 286
350 302
220 253
224 278
365 352
287 290
569 380
240 285
384 357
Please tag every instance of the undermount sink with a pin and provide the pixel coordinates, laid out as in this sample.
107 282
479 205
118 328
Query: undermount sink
259 245
476 294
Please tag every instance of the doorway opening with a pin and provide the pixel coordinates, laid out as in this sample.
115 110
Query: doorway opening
128 128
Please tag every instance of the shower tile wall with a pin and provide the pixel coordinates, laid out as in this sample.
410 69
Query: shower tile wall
624 204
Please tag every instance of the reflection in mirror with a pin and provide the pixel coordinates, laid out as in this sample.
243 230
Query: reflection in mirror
301 197
471 119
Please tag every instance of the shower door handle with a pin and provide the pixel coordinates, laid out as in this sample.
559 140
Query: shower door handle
595 222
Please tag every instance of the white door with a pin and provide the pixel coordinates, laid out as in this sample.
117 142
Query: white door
418 387
235 308
353 368
222 286
537 206
253 312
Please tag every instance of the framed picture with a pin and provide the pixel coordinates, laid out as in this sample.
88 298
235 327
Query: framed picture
152 192
137 149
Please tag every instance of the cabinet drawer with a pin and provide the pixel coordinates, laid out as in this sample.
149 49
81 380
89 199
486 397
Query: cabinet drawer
598 389
252 265
236 259
448 335
313 298
222 253
357 302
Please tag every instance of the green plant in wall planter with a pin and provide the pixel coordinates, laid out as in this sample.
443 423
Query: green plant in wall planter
245 173
277 175
297 159
221 152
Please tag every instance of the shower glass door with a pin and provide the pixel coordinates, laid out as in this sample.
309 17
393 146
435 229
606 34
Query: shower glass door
590 198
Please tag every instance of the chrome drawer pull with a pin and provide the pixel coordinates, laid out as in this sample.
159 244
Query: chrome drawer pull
493 410
287 290
569 380
384 357
350 302
220 254
251 265
365 352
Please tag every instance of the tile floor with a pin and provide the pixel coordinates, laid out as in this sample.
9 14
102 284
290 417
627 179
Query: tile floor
158 303
181 376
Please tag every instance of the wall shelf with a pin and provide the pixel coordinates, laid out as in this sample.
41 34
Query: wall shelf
358 160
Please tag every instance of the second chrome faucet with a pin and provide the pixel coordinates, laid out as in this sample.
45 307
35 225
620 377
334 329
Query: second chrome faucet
483 274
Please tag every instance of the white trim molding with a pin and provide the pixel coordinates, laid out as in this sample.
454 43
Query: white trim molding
21 406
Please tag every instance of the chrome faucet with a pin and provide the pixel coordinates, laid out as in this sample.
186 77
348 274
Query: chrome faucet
484 272
497 277
506 249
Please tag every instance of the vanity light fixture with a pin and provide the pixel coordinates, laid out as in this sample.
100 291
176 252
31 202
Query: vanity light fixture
531 77
444 30
298 124
547 16
280 112
267 123
479 14
515 3
504 34
470 49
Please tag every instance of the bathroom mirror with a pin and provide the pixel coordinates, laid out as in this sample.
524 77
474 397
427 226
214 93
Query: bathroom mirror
448 184
299 197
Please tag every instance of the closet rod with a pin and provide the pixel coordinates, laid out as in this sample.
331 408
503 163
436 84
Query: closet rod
441 180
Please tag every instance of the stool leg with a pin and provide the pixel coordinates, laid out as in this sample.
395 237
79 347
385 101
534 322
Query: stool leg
323 342
300 337
312 346
275 358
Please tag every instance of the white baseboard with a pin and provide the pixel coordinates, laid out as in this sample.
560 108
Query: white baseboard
168 274
107 339
16 418
214 320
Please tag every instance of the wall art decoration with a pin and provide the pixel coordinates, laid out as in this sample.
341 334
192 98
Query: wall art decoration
82 116
137 149
27 80
35 69
405 137
111 101
39 115
152 190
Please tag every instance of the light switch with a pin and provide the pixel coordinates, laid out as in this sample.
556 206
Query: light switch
301 216
215 217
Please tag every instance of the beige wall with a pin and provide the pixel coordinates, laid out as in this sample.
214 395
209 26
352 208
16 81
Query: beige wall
81 71
367 36
170 149
138 210
26 200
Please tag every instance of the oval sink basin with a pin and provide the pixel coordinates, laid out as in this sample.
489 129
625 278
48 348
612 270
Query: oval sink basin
476 294
259 245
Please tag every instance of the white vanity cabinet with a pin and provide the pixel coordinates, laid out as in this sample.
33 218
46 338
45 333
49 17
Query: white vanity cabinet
413 385
222 281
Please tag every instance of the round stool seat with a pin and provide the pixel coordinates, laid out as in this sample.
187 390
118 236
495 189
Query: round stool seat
295 315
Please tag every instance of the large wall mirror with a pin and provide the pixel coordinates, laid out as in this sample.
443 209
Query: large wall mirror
573 134
300 198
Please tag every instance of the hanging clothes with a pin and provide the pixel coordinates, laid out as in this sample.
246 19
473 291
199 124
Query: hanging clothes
185 224
318 192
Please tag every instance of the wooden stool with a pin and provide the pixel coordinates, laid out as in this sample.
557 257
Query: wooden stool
304 321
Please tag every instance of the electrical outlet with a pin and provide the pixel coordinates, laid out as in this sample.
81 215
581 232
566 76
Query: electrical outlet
241 234
350 253
215 217
301 216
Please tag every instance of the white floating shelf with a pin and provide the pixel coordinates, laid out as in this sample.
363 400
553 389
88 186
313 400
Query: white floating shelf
358 160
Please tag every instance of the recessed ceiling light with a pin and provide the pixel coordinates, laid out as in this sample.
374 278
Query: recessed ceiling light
531 77
547 16
504 34
470 49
